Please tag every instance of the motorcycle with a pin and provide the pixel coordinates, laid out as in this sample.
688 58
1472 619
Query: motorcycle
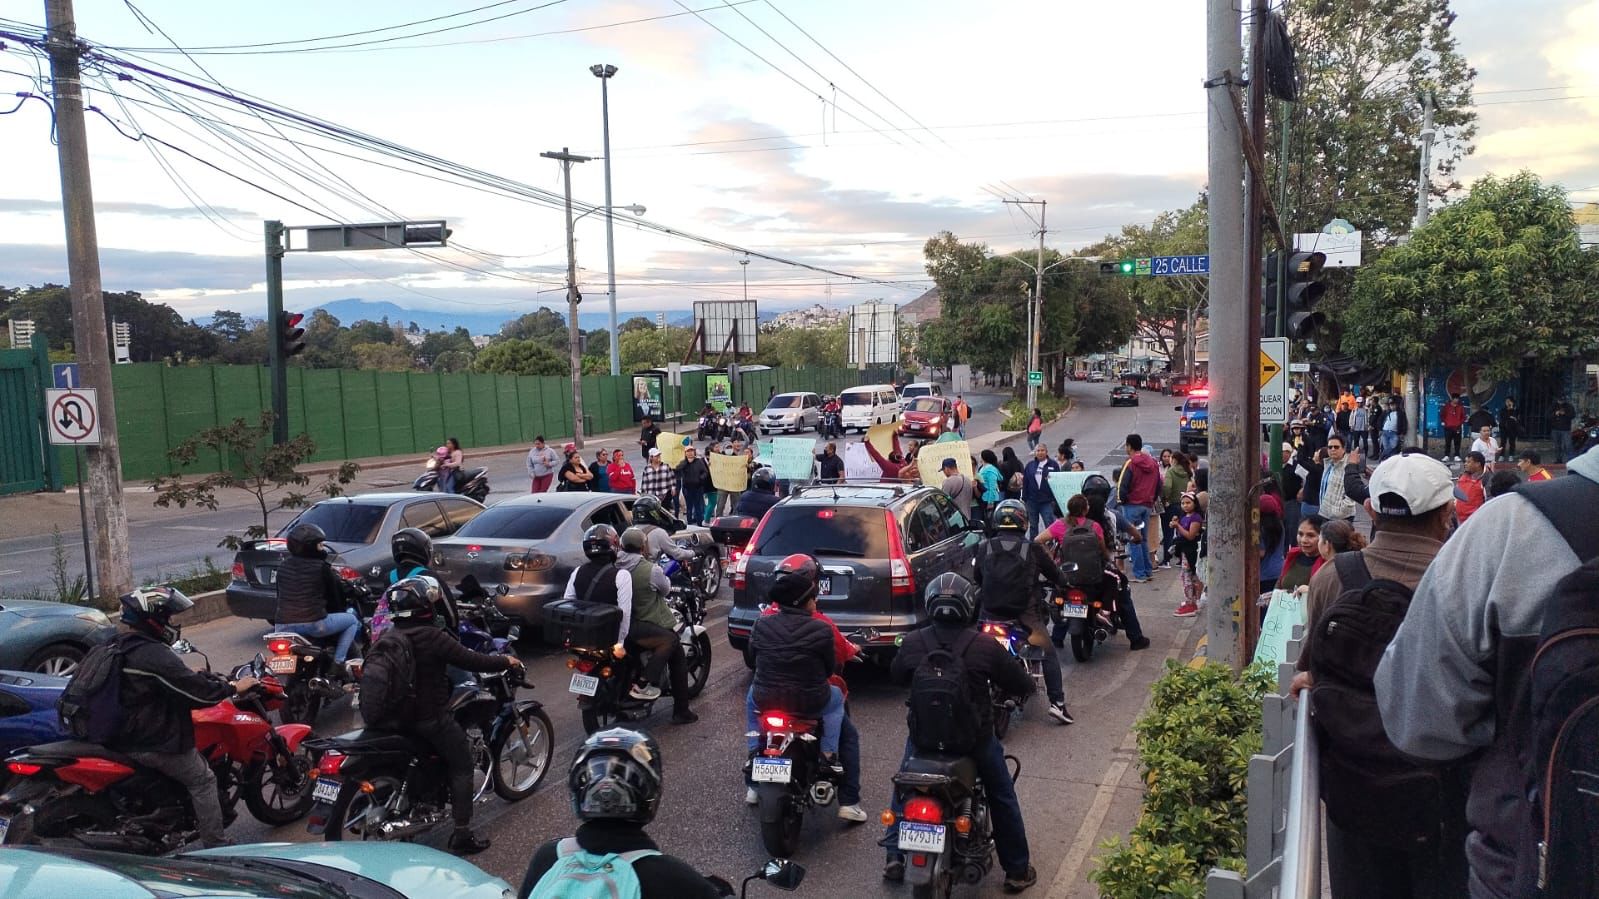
790 776
1089 620
77 791
472 483
1014 637
714 426
832 425
305 666
602 682
375 784
945 829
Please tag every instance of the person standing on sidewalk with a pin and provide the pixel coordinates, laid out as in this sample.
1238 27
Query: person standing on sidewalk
1359 419
1486 444
1560 419
1482 418
1454 419
695 476
1178 480
599 470
620 474
647 436
1035 429
1137 489
542 461
1343 482
658 480
1509 428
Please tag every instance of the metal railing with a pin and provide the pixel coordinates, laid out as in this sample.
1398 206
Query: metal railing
1283 852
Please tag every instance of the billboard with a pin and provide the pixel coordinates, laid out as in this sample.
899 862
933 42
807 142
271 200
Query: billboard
717 321
873 334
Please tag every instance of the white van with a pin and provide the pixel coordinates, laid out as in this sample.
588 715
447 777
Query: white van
871 404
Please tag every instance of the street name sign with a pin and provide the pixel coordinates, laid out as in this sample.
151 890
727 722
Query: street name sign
1274 380
1179 265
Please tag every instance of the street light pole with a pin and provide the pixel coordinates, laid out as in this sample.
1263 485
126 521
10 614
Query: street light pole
604 73
1036 304
745 265
566 159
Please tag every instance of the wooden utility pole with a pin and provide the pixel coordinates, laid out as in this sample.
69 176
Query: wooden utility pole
89 335
566 159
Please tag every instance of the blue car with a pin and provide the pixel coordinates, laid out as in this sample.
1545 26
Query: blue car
28 710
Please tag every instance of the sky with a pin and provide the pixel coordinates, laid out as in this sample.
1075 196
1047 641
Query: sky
839 134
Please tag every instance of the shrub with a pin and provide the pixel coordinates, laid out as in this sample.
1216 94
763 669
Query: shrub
1017 413
1194 745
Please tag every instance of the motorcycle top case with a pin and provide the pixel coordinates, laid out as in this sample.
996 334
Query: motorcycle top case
730 530
588 625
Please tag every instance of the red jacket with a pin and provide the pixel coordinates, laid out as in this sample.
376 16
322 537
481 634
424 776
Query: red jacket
1454 415
843 650
1140 482
1475 496
621 475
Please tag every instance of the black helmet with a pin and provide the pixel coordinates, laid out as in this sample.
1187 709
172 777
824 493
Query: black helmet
634 540
764 480
795 580
1010 515
305 540
413 599
412 549
950 599
150 610
648 510
616 776
601 542
1095 486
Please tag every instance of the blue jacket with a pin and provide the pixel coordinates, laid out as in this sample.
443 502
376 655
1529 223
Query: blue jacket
1032 491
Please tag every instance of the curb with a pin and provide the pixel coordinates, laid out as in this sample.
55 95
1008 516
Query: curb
207 607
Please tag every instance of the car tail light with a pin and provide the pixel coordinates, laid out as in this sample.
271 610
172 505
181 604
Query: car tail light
529 562
348 573
924 810
280 647
742 563
23 769
238 570
900 581
331 763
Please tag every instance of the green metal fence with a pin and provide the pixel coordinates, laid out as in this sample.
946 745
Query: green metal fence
23 376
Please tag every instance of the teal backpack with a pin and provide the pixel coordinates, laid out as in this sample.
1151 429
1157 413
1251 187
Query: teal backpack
579 874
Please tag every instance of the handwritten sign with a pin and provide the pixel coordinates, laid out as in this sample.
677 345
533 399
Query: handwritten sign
858 464
793 457
882 437
729 473
1287 611
671 446
931 458
763 452
1067 484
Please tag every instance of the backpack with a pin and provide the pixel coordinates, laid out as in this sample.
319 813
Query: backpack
943 716
388 679
580 874
1080 546
90 707
1016 482
1368 785
1008 573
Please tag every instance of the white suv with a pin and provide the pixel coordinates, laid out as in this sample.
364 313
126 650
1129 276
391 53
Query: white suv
791 412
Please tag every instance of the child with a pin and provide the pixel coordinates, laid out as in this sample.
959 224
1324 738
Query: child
1188 526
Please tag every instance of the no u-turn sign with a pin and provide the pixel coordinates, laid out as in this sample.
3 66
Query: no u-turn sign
74 417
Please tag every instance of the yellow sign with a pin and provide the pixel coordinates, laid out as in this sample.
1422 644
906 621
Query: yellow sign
1268 367
671 446
929 462
882 437
729 473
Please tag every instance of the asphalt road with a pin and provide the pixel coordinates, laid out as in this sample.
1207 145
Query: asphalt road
1078 784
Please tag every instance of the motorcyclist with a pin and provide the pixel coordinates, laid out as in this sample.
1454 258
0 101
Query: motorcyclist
411 604
1007 569
158 692
761 496
796 654
602 579
654 628
616 783
1112 583
412 549
1097 490
950 602
312 598
658 526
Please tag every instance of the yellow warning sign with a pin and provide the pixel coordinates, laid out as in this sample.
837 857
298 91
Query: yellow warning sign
1268 367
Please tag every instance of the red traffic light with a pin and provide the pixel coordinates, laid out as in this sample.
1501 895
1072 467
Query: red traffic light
291 337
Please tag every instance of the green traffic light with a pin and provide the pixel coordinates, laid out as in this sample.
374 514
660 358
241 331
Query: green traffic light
1126 266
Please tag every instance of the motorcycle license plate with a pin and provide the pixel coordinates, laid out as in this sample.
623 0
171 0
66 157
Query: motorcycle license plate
917 837
826 586
1074 610
326 790
282 664
772 771
584 684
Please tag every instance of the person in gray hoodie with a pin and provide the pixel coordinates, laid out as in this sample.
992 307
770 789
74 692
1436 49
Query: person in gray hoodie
1449 677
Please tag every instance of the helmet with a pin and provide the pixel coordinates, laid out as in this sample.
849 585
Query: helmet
648 510
616 776
305 540
1010 515
796 580
950 599
634 540
600 542
1095 486
411 548
413 599
150 609
764 480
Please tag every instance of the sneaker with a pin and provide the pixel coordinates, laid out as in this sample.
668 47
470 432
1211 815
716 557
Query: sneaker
1186 610
1015 883
645 692
894 870
750 797
1140 643
852 813
1057 710
464 842
1165 566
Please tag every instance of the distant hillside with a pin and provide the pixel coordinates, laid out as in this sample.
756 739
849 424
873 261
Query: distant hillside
354 309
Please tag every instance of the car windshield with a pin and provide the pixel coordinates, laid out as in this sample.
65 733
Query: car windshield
1198 405
916 391
784 401
926 404
343 522
515 523
856 533
855 399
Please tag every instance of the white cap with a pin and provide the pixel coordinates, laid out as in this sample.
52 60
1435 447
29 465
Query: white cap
1410 484
655 451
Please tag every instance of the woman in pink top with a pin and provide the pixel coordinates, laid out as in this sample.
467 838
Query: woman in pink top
450 465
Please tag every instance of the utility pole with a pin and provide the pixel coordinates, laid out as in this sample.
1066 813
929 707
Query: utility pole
1414 379
1231 355
566 159
1255 250
1036 302
104 484
604 73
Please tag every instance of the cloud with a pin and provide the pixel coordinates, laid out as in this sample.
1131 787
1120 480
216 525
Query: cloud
154 272
115 207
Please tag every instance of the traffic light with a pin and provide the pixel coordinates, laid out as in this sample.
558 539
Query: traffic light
427 234
291 337
1304 290
1123 267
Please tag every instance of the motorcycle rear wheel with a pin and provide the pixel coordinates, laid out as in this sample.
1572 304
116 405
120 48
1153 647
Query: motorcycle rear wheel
349 811
1082 647
781 837
940 888
301 704
699 666
290 797
520 762
596 720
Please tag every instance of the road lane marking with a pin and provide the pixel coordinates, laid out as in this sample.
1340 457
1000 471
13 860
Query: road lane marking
189 527
12 571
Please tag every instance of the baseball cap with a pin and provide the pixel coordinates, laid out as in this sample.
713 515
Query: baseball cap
655 451
1410 484
947 463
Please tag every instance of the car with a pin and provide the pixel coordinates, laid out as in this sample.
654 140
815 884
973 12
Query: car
49 637
358 529
791 412
530 544
28 713
1096 377
926 417
919 388
347 870
1183 385
1193 428
878 545
1122 395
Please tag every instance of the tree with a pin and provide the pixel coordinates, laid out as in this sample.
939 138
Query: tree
1497 279
437 343
382 356
252 463
636 323
805 347
451 361
228 325
542 325
325 345
654 347
599 346
1163 306
520 357
370 332
159 332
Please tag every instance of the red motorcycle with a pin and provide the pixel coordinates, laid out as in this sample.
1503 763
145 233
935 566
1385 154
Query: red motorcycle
82 792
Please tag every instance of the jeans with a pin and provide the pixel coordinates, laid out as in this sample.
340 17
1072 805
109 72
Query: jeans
1005 810
1039 517
191 770
1138 517
1032 440
665 649
1562 445
1390 443
1290 522
832 720
447 739
447 481
1168 534
346 625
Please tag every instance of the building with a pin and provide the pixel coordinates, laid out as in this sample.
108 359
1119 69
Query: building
814 316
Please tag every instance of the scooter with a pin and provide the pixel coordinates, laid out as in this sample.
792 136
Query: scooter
469 482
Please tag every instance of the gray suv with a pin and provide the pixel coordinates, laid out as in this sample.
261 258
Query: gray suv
878 545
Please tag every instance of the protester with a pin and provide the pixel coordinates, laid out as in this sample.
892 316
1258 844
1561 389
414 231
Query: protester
1188 525
1010 471
1486 444
891 464
1304 558
1137 489
620 474
1501 483
649 434
1178 480
1310 466
574 475
1529 464
830 464
694 478
1454 418
1338 536
599 472
658 479
1272 535
989 478
1391 428
1036 493
1343 482
542 462
1560 419
1470 488
957 486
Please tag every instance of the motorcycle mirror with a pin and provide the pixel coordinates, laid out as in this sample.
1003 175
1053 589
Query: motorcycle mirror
182 647
502 590
783 874
1068 567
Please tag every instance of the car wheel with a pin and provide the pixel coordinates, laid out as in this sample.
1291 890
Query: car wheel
59 659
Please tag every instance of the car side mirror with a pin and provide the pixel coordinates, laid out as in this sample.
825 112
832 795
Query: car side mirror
1177 408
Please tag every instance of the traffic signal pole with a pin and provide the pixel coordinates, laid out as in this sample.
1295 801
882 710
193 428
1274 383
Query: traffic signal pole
1279 298
276 362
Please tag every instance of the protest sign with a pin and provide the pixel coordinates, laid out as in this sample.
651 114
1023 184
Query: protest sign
671 446
930 460
1067 484
1287 611
793 457
858 464
882 437
729 473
